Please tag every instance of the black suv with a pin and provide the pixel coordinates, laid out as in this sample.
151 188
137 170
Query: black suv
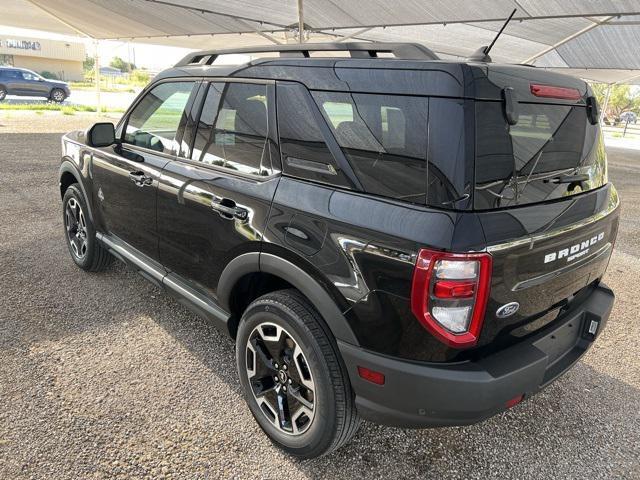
25 83
386 236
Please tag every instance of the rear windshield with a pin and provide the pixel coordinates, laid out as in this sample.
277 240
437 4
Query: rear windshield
552 152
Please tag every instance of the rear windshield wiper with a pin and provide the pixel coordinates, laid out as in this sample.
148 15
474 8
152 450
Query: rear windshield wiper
583 177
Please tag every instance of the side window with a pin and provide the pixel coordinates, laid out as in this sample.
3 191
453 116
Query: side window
304 150
384 138
29 76
233 128
154 121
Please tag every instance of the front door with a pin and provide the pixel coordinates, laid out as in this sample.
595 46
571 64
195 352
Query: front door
214 199
126 175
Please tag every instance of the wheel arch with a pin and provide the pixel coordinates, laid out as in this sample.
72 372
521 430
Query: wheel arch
253 274
68 175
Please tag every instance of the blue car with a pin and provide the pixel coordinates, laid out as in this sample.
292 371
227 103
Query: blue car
25 83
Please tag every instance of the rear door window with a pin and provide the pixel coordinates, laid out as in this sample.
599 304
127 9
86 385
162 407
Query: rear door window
304 137
233 129
384 137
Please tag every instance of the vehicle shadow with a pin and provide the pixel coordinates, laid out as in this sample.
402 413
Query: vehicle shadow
587 418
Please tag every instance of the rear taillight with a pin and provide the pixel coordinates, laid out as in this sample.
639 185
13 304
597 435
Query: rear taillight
449 294
550 91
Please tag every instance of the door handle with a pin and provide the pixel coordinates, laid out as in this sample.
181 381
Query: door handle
228 209
140 179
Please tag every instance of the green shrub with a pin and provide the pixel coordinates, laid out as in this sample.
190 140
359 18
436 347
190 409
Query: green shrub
49 75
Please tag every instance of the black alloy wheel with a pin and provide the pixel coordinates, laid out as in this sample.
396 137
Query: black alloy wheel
76 225
294 380
280 379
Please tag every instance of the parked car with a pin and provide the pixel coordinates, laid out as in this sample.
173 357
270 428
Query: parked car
628 117
25 83
405 240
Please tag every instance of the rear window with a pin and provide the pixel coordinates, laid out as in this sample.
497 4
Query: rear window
384 137
552 152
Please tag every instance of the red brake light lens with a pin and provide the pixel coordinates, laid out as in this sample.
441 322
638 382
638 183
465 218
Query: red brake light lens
449 295
550 91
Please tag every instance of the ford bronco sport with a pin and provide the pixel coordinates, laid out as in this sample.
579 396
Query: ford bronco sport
386 236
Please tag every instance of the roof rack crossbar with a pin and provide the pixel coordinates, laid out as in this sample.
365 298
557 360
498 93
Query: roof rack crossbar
405 51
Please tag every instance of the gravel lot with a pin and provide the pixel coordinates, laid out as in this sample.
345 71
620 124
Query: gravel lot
105 376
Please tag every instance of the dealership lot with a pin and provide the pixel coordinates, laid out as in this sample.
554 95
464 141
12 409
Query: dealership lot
103 375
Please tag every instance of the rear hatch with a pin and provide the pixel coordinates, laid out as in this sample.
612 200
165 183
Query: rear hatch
548 213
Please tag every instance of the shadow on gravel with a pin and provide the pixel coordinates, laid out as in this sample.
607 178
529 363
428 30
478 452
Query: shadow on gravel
576 427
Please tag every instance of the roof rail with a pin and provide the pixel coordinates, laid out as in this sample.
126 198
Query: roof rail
405 51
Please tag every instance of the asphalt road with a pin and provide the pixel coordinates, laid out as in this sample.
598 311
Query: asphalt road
103 375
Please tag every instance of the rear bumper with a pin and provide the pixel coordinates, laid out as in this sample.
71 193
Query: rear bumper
431 395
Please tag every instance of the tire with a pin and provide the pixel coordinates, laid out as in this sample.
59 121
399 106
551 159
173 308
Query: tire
80 234
285 321
3 93
57 95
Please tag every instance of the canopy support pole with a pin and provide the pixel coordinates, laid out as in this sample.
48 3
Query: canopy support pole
56 17
96 66
568 39
605 105
269 37
260 32
355 34
300 22
624 81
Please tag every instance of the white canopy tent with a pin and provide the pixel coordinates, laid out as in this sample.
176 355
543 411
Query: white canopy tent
595 39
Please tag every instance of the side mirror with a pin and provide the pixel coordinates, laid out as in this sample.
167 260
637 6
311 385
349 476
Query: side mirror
101 135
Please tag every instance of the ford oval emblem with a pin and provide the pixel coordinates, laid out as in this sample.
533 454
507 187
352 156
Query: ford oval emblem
507 310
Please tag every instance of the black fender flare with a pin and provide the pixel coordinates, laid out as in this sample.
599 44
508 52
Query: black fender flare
254 262
68 167
234 271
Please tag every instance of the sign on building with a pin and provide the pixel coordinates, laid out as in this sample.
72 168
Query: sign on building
21 44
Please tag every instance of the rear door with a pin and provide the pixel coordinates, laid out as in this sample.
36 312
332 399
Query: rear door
214 199
13 81
126 175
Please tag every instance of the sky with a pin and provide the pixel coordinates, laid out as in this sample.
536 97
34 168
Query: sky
152 57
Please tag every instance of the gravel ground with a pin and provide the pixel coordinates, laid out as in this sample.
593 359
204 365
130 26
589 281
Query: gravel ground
104 376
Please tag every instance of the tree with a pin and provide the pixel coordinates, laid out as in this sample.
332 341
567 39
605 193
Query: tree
120 64
88 64
621 99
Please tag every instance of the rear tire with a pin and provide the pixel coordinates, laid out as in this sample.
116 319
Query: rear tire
3 93
80 234
57 95
307 409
